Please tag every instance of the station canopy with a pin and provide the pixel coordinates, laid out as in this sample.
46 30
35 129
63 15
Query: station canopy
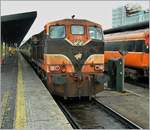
15 27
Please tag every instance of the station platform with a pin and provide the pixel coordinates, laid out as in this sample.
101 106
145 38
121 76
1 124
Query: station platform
25 102
133 104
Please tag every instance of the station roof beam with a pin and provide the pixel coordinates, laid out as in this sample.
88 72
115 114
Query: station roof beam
15 27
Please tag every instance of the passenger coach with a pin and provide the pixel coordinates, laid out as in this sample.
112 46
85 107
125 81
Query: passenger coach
136 44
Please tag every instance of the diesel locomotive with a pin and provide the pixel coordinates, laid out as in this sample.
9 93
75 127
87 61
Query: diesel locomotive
69 56
134 41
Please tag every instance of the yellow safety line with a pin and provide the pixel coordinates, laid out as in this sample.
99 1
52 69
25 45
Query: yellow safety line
4 106
20 120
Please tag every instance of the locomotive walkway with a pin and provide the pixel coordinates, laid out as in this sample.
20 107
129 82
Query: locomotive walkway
25 102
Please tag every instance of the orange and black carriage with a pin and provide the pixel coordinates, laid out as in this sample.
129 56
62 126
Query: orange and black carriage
69 55
135 41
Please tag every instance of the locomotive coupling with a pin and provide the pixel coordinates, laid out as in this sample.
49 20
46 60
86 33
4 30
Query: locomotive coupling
77 76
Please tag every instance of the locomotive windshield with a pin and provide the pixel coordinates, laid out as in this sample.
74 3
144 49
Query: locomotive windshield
95 33
57 31
77 29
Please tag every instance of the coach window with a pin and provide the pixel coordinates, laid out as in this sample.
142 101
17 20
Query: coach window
57 32
95 33
77 29
139 46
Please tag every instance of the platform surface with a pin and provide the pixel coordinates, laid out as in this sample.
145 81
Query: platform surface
134 104
9 72
25 102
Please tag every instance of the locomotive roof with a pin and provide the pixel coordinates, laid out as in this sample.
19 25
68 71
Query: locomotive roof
128 35
73 21
130 27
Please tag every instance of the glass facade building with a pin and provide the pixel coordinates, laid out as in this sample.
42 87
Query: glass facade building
123 15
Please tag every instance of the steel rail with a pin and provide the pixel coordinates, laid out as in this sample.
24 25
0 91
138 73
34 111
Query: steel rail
71 120
129 124
143 85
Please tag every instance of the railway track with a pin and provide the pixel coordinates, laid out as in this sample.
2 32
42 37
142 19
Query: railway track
93 115
140 83
70 118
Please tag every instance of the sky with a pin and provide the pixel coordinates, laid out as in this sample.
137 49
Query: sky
96 11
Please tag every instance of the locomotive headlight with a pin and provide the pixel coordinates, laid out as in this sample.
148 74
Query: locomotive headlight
99 67
57 68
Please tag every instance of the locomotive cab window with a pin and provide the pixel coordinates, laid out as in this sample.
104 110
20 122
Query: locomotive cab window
95 33
57 32
77 29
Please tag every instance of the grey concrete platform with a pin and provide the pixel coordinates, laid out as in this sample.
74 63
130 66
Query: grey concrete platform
9 72
133 104
32 106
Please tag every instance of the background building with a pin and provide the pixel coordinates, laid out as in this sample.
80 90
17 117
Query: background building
128 14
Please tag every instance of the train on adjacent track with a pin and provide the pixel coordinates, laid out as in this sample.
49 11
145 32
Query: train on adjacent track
133 40
69 56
